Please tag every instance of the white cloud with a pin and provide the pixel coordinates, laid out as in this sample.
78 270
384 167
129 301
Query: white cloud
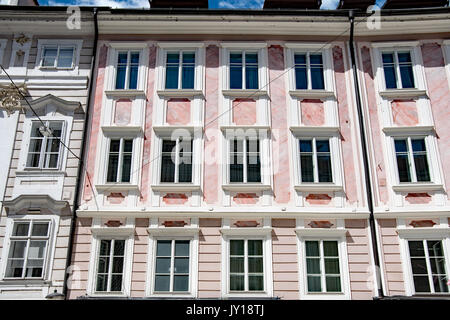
329 4
241 4
105 3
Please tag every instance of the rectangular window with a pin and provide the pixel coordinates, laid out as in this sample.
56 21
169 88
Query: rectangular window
398 70
244 70
119 160
180 70
246 265
176 160
309 71
110 266
412 162
60 57
322 266
428 266
28 249
172 266
44 150
245 163
127 69
315 160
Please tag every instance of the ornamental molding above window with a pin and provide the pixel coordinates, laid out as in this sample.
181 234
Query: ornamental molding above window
35 203
68 106
11 97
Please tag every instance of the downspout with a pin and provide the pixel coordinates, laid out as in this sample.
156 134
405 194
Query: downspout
82 155
365 157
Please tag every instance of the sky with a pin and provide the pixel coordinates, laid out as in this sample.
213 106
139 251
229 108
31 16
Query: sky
213 4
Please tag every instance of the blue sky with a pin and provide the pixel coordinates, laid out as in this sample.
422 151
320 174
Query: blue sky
213 4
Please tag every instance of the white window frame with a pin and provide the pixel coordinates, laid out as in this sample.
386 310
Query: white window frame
247 233
314 156
177 160
417 64
180 67
171 133
412 165
244 158
439 232
164 48
260 49
111 132
328 72
157 232
336 159
321 234
43 43
65 138
44 146
49 255
128 68
396 63
108 233
264 152
120 164
436 181
111 69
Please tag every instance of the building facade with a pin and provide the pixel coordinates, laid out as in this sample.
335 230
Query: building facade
264 154
51 66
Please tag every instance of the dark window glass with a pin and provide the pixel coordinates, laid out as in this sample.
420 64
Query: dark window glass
251 71
188 70
306 161
236 161
168 161
420 159
389 70
401 150
301 77
121 70
406 70
172 67
235 70
316 65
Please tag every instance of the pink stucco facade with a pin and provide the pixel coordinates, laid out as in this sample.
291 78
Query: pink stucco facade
283 210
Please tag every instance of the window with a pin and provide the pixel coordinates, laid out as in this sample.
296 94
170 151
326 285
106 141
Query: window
315 160
398 69
172 263
412 163
246 265
176 160
322 266
245 163
180 70
308 71
243 70
44 150
60 57
127 69
119 160
110 266
28 249
428 266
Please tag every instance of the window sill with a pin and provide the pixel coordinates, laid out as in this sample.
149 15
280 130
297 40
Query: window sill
176 187
321 232
244 127
173 231
244 187
244 93
312 94
169 129
117 187
55 69
408 130
124 93
134 130
325 296
247 231
402 93
318 187
316 130
180 93
417 187
40 172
